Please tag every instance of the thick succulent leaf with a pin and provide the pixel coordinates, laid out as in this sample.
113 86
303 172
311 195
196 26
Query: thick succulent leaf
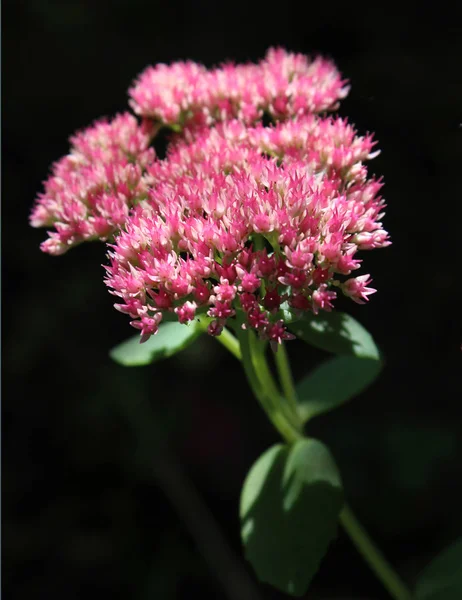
336 332
290 504
170 339
334 382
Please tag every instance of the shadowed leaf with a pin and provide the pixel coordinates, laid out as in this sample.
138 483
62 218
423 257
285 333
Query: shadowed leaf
335 382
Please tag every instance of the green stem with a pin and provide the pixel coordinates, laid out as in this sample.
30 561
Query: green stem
257 352
257 349
372 555
285 376
263 386
227 339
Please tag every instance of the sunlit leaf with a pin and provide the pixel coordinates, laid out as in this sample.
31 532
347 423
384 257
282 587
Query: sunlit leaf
290 504
170 339
336 332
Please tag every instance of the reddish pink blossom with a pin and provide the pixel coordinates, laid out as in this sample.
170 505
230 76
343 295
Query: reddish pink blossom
356 288
241 220
201 225
170 93
328 146
186 312
282 84
322 299
90 191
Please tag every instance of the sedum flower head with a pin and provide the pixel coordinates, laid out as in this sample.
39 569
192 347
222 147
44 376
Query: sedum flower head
90 191
227 230
241 220
282 85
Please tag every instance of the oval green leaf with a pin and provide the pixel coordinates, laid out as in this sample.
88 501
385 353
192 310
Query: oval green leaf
170 339
335 382
442 579
336 332
290 504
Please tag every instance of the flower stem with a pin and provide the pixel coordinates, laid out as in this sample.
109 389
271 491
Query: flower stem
285 376
227 339
264 387
284 411
372 555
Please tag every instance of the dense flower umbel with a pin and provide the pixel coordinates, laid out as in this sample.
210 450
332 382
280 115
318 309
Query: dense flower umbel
90 191
226 228
241 219
283 85
325 145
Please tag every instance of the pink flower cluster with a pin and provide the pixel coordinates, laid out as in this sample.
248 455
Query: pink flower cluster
281 85
240 221
323 144
91 190
228 228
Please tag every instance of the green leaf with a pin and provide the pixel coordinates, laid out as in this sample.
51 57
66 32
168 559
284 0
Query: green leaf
336 332
335 382
170 339
442 579
290 503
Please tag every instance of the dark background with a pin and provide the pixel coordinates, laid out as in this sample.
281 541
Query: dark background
86 506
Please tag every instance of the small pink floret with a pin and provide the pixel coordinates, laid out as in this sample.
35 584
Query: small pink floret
356 288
